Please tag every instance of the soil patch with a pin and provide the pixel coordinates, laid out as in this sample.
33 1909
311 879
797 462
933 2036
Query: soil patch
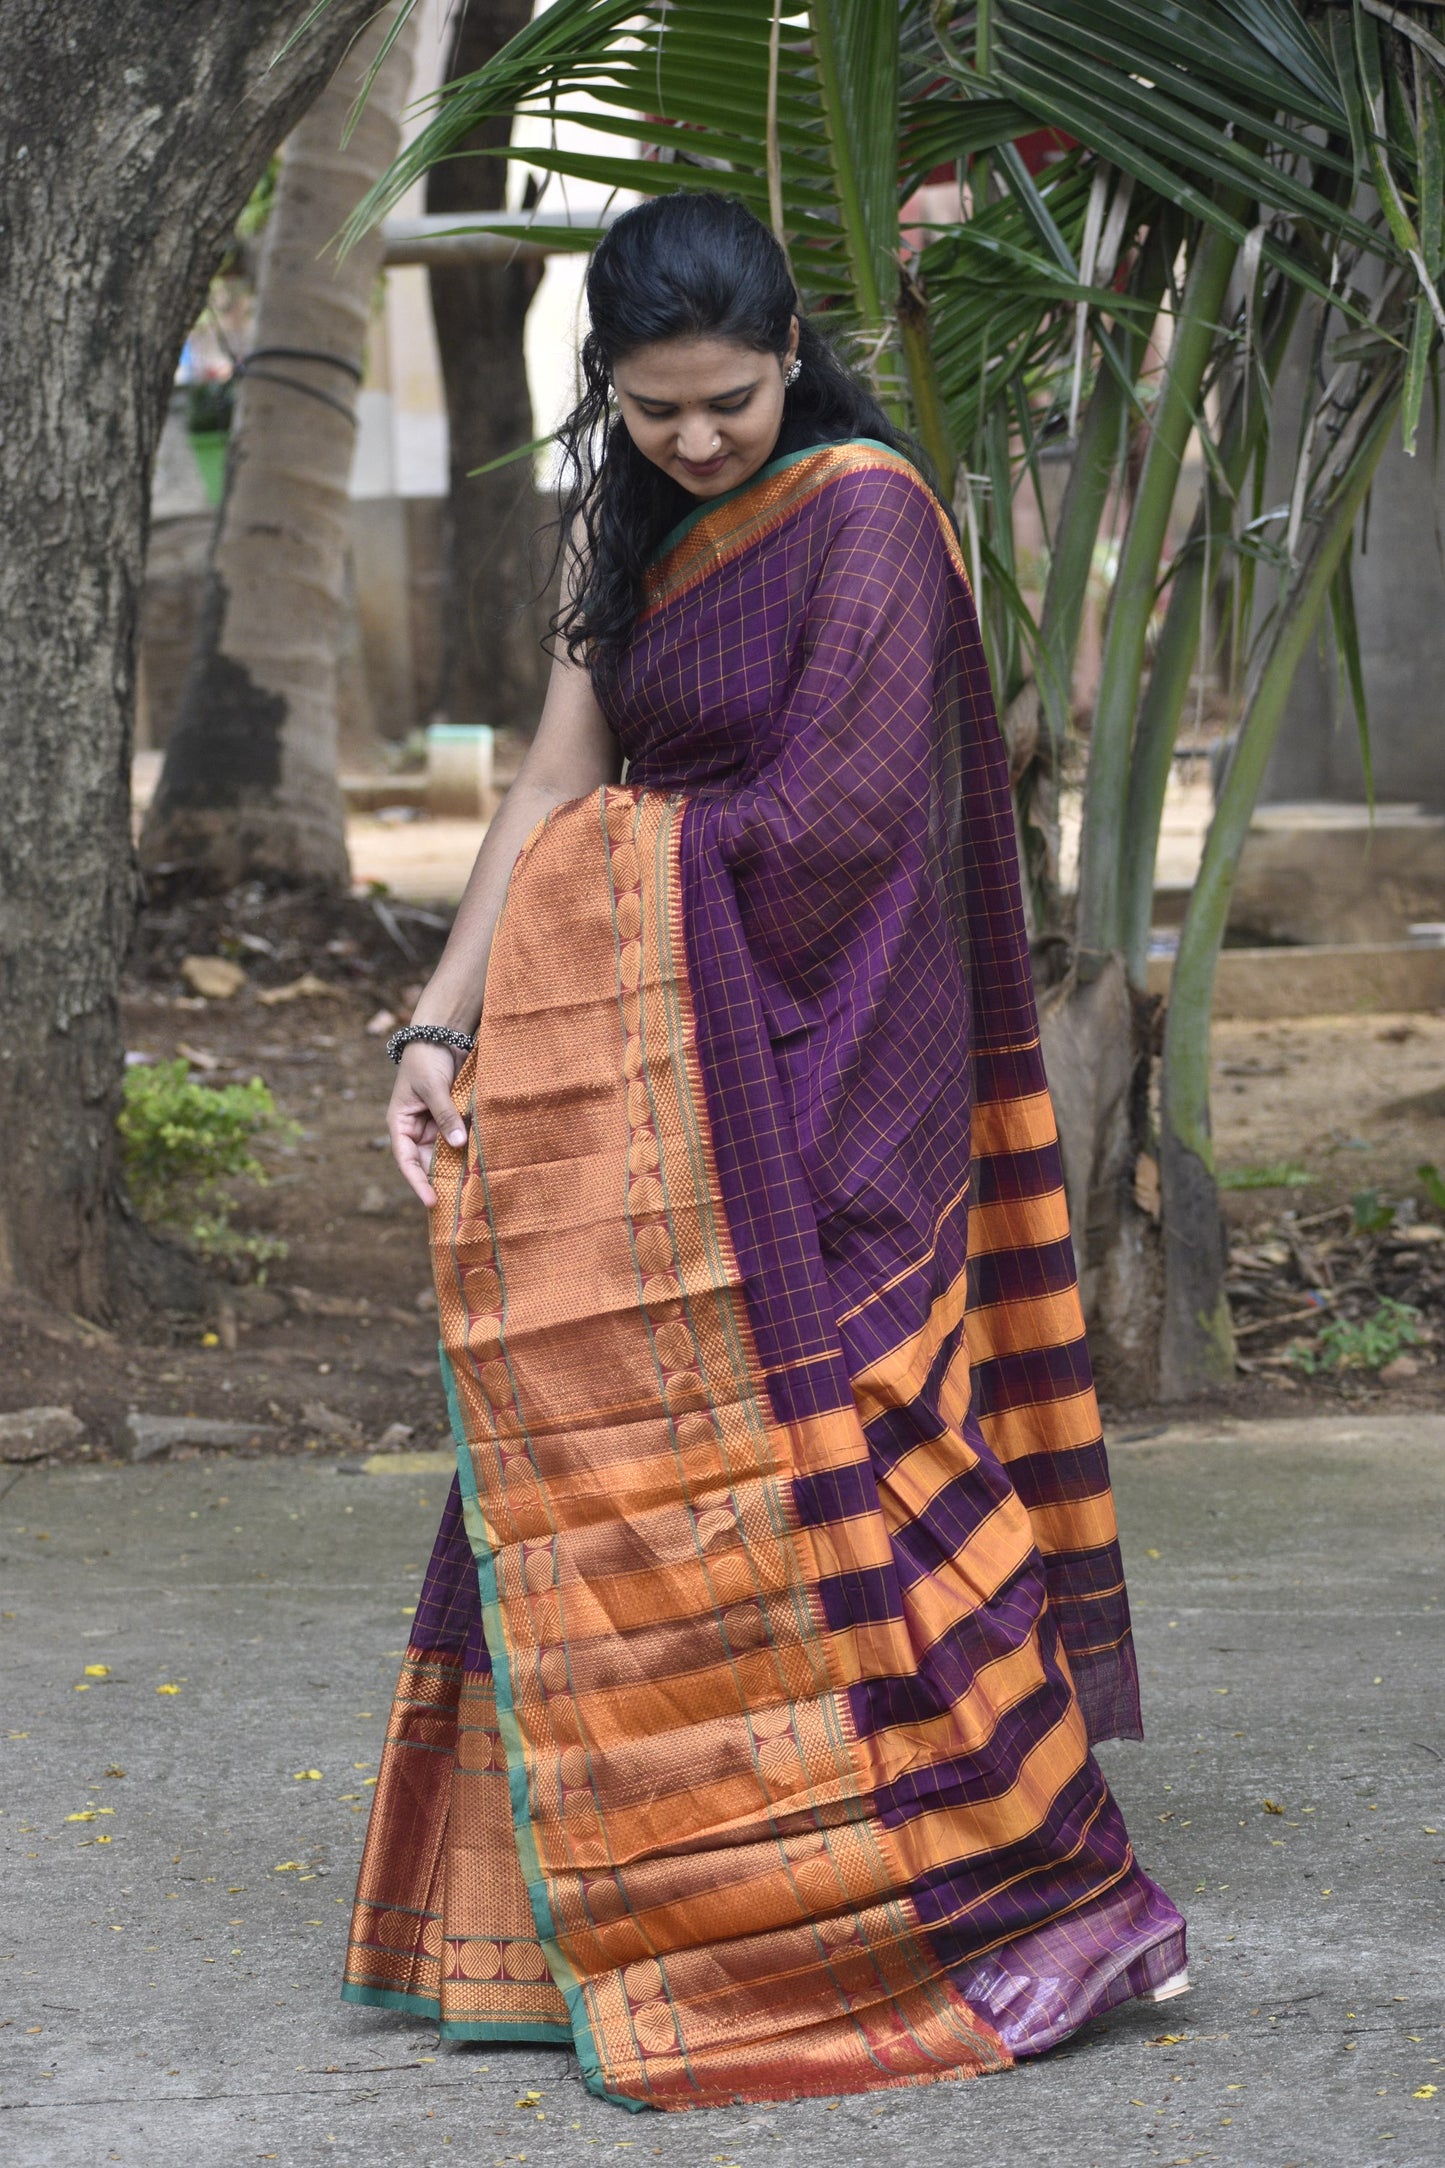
337 1347
1332 1125
336 1350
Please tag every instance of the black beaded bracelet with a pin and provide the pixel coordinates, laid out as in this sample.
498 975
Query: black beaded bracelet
461 1042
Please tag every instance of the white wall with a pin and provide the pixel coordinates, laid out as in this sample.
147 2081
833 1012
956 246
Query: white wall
402 439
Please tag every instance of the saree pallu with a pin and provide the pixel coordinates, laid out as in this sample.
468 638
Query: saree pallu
744 1738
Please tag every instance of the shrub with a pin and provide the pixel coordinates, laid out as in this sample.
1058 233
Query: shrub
180 1140
1432 1184
1371 1213
1366 1344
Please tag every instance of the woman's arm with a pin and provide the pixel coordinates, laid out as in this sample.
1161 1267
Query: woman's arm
572 753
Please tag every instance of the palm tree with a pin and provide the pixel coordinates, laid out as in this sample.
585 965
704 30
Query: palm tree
1266 173
249 787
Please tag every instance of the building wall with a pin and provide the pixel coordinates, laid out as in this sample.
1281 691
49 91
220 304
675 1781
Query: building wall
1399 583
398 482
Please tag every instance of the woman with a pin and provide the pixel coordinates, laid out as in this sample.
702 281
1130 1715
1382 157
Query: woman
743 1742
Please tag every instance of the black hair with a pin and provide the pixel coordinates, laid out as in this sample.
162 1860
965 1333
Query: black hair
690 265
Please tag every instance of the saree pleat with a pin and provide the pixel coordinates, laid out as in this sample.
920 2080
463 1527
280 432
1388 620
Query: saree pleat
442 1925
791 1599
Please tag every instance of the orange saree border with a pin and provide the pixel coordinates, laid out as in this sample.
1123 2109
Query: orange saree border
711 537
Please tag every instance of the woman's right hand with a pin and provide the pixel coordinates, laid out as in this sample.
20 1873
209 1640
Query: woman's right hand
574 751
421 1110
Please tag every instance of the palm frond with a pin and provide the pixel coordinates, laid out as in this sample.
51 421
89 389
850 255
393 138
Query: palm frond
1264 124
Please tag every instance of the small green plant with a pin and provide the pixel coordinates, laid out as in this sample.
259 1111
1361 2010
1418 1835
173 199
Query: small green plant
1284 1174
1366 1344
181 1140
256 212
1430 1181
247 1255
1372 1215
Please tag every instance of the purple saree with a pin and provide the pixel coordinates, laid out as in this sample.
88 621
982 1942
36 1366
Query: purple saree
780 1598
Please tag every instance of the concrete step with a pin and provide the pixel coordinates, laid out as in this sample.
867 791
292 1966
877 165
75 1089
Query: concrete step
1366 977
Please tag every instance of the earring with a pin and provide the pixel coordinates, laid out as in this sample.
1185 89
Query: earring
793 371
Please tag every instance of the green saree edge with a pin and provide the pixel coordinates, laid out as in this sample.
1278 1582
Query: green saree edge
581 2037
388 1998
765 473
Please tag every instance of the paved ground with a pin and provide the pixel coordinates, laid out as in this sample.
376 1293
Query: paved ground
171 1964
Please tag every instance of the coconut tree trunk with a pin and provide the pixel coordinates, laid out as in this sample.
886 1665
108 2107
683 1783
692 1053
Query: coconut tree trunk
1098 1030
492 663
131 147
249 788
1097 1038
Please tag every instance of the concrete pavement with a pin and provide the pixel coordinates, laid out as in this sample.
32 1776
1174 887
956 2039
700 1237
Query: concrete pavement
170 1964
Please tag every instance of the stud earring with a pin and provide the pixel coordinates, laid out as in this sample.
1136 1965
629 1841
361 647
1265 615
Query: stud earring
793 371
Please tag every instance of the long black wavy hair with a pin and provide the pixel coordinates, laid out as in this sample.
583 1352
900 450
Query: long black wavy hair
683 266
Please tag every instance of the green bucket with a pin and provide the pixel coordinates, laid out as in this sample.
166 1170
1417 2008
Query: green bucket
209 447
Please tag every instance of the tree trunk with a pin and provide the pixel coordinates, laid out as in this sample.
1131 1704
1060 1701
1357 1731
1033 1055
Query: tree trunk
132 143
1097 1042
249 789
493 667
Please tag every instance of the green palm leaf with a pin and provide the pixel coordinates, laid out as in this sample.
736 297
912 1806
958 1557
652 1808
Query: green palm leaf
856 44
687 82
1183 100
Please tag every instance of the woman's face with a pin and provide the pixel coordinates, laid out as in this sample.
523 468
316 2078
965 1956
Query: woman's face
707 411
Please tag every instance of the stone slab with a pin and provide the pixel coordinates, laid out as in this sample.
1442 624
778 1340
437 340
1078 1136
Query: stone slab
141 1437
1322 872
1258 985
31 1433
373 793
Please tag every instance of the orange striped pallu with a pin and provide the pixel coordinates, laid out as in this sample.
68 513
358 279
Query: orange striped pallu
744 1741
